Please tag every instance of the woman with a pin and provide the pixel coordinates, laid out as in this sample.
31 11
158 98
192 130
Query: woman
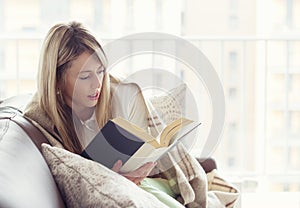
73 85
76 97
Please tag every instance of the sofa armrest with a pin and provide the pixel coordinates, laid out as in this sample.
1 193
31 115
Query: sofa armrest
208 164
24 175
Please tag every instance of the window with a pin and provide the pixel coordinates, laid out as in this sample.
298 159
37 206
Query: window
233 22
2 16
233 62
232 93
54 11
234 5
261 77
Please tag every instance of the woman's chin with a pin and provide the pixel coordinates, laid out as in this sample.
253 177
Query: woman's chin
92 103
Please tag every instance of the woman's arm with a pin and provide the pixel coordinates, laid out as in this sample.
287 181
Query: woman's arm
137 175
128 102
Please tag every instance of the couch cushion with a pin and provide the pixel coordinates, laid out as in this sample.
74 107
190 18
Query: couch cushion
165 108
18 101
25 178
85 183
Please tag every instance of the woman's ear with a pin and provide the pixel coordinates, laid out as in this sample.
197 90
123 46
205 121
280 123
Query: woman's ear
59 88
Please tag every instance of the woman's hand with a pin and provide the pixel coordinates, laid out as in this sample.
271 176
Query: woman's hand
137 175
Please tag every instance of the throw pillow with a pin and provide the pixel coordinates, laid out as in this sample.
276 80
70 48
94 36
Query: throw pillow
166 108
221 190
84 183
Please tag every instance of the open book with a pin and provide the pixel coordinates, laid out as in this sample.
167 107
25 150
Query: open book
120 139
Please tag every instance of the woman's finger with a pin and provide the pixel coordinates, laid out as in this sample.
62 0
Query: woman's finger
135 180
141 172
117 166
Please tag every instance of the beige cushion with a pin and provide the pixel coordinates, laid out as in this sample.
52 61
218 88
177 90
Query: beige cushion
166 108
84 183
221 191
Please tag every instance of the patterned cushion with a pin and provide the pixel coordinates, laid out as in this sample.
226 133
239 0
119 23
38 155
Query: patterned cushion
220 191
166 108
84 183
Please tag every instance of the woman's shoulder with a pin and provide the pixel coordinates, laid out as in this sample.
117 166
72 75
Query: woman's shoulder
34 112
125 88
127 101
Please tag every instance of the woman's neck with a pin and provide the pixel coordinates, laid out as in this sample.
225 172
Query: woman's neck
85 114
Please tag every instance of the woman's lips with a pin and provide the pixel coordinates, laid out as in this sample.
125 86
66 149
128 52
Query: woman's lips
94 97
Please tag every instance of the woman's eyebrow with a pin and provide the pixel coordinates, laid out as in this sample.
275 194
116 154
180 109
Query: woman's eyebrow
85 71
89 70
101 69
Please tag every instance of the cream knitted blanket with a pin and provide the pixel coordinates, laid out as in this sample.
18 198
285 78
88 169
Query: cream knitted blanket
194 187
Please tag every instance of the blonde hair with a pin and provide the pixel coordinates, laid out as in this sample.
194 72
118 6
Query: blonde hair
63 44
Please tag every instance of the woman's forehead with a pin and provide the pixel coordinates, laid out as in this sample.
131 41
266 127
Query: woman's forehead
86 61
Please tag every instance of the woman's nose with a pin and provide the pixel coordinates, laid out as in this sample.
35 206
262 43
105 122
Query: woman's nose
97 81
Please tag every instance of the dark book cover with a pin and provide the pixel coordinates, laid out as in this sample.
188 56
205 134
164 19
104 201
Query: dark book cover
111 144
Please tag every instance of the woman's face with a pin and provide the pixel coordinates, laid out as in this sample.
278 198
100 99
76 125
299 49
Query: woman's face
83 83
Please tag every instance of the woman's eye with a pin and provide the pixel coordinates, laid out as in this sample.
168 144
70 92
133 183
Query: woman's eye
84 77
100 72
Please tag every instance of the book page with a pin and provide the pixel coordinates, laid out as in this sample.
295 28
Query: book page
147 153
168 133
137 131
138 158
